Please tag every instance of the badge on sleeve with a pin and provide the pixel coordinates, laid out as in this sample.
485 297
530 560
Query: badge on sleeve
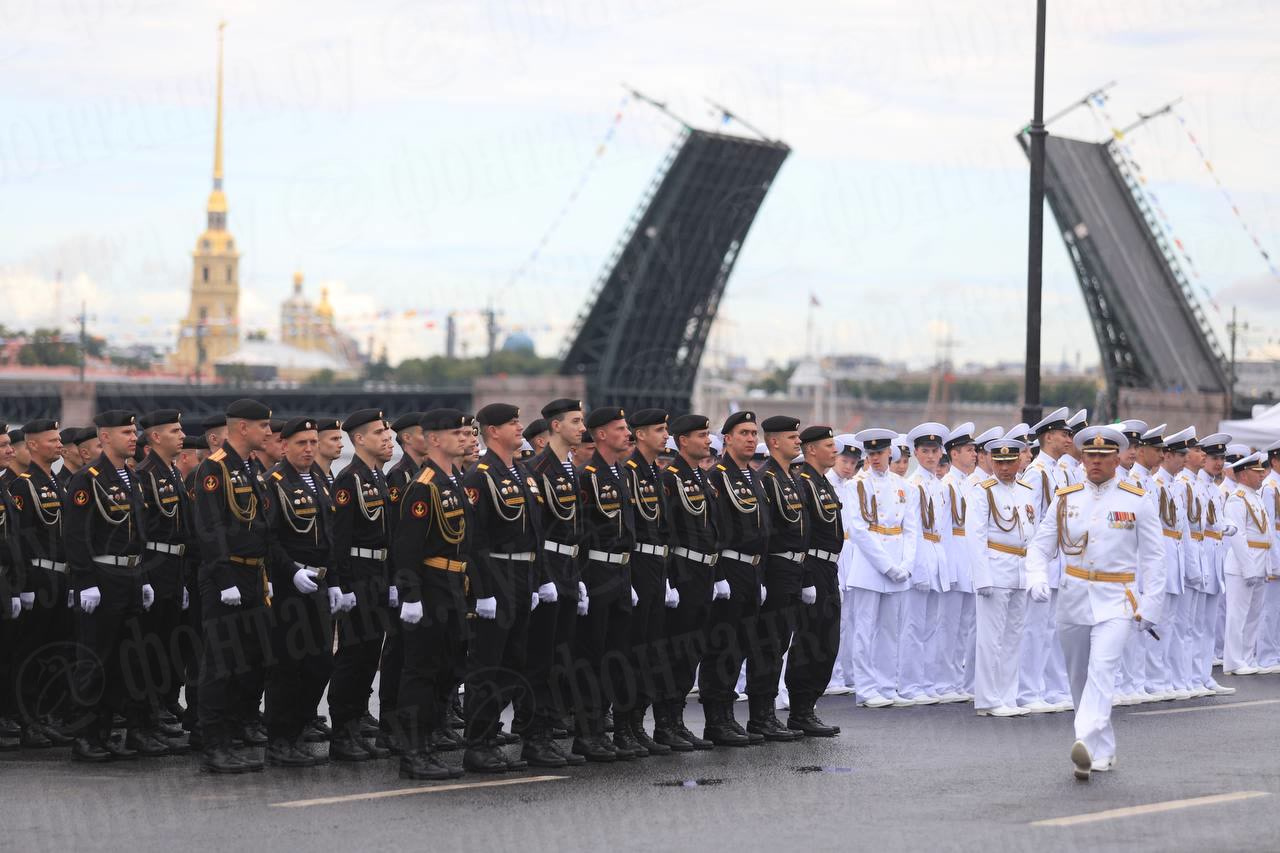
17 501
394 494
211 483
80 498
419 509
342 498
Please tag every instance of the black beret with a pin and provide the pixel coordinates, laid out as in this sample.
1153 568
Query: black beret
586 437
195 442
605 415
17 436
249 410
361 417
686 424
441 419
68 435
294 426
114 418
160 417
409 419
214 421
86 434
496 414
647 417
736 418
780 423
560 406
40 425
816 433
277 424
328 424
469 420
538 427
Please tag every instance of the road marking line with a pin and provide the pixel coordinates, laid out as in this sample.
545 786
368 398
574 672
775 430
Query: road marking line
1222 707
1150 808
404 792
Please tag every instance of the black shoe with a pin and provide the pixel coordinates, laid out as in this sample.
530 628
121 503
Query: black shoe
753 739
539 751
679 728
514 764
34 738
764 722
175 708
484 759
9 727
642 737
453 716
316 732
807 723
166 717
570 757
169 729
389 741
249 758
625 743
84 749
594 748
720 728
425 766
175 745
220 759
9 744
376 750
443 740
671 740
53 731
119 752
369 726
506 738
347 747
145 744
254 734
282 753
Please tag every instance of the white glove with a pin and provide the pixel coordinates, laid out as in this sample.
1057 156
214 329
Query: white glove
808 595
533 602
27 600
1143 625
584 603
1230 529
335 600
90 599
487 608
71 598
148 596
1251 582
922 586
348 602
271 591
411 612
186 598
720 590
764 594
1039 592
231 596
393 597
304 581
984 591
635 597
673 596
15 607
897 574
547 592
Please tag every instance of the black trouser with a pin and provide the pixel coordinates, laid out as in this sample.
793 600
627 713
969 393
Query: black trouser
301 661
646 659
600 646
429 671
550 639
685 628
360 634
496 661
730 631
46 651
817 639
774 628
391 668
236 641
110 672
191 648
160 628
8 651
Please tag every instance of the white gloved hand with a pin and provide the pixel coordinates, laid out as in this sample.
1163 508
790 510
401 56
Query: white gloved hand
1039 592
984 591
148 596
186 598
1143 624
27 600
547 592
90 599
635 597
809 594
921 586
533 602
393 596
584 602
1258 581
231 596
304 581
487 608
71 598
1230 529
15 607
673 596
764 594
348 602
720 590
897 574
335 600
411 612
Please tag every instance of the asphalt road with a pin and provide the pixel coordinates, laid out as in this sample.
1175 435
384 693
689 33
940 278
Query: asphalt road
936 778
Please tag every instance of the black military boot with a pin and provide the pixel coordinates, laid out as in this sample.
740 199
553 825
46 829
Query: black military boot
220 759
145 744
52 729
423 764
369 725
87 750
390 741
347 745
317 731
254 733
624 740
484 758
642 737
34 738
283 753
591 742
764 722
538 750
678 726
119 751
445 739
453 716
720 729
664 732
806 721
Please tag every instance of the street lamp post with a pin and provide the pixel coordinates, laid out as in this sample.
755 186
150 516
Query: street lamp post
1031 410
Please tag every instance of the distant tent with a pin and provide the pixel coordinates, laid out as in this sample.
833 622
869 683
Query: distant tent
1258 431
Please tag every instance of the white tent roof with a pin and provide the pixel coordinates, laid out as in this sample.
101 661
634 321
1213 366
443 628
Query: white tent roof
1258 431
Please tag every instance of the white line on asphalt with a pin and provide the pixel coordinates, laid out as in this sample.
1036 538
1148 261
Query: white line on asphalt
1150 808
1223 707
402 792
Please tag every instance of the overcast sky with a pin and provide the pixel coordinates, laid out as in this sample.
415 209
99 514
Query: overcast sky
432 156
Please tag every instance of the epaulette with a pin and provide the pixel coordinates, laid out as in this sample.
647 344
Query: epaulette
1066 490
27 476
1128 487
426 476
673 469
218 455
590 468
631 463
482 466
276 475
1025 486
1239 493
986 484
806 476
718 465
92 470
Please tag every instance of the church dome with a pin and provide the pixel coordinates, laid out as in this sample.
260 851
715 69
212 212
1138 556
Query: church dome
518 342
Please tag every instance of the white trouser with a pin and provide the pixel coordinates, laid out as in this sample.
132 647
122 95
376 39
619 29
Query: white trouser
1269 627
1092 654
1132 677
969 640
948 645
1037 640
1210 606
1056 687
1199 640
845 656
1244 610
915 643
999 634
1179 654
877 616
1160 654
1220 623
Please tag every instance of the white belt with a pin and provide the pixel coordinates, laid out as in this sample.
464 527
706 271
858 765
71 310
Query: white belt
607 557
749 559
108 560
793 556
829 556
655 550
696 556
319 570
166 548
557 548
370 553
60 568
523 556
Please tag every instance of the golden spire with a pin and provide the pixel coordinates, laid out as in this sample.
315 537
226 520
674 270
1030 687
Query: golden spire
217 207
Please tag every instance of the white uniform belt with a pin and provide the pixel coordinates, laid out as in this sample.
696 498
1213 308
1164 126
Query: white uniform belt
655 550
829 556
696 556
558 548
110 560
319 570
369 553
523 556
609 557
749 559
792 556
166 548
51 565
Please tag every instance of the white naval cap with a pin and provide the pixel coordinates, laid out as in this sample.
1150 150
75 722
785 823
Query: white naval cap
1133 429
671 443
959 435
1272 450
1078 421
1237 450
927 433
761 450
1253 460
717 444
1057 419
1018 431
987 436
1006 449
847 442
1216 444
895 453
901 440
1180 441
1154 437
876 439
526 447
1100 439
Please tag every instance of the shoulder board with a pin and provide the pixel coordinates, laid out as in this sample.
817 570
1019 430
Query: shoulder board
1025 486
770 472
483 466
673 469
718 466
24 475
92 470
590 468
986 484
806 476
218 455
631 463
1239 493
276 475
1066 490
1130 488
426 476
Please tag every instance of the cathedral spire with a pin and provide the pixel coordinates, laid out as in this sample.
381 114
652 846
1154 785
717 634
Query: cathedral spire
217 201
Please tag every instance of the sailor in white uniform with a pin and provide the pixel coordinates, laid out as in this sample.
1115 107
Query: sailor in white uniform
1213 553
930 576
953 646
1269 630
1250 564
1166 675
841 478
